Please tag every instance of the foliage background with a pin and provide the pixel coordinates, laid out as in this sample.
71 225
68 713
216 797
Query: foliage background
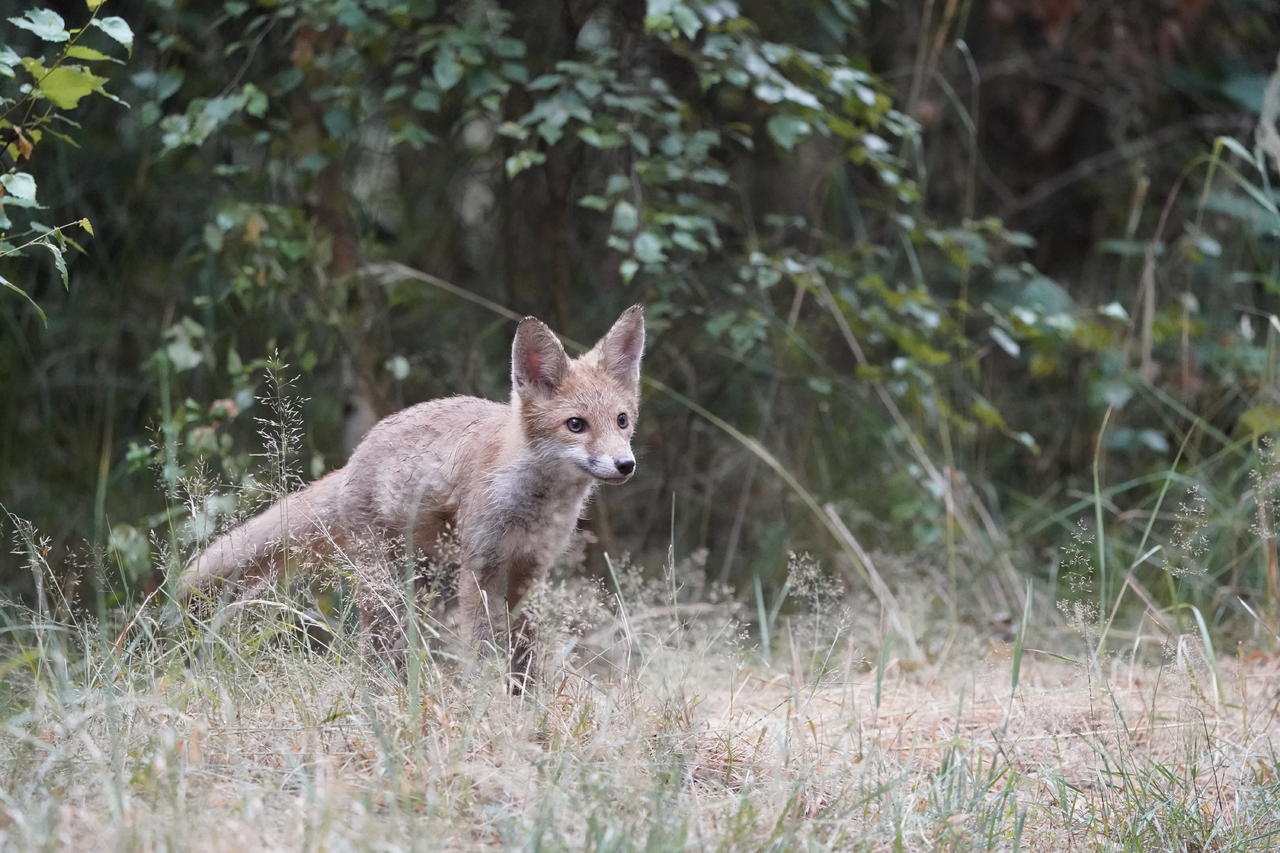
900 262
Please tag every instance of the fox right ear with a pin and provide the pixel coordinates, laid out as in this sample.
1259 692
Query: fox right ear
538 360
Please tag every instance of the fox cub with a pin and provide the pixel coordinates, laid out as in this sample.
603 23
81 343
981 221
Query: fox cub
508 481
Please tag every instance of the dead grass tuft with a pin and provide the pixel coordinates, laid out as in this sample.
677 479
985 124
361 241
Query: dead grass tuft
686 739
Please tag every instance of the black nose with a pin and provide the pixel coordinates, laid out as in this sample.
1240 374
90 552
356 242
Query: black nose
626 466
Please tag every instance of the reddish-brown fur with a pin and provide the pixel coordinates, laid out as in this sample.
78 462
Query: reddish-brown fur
510 480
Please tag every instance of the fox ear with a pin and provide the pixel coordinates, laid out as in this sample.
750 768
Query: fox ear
538 360
620 350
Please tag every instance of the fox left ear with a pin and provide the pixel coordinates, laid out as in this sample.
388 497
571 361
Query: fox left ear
622 347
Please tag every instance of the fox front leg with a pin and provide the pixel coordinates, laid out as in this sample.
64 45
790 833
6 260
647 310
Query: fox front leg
478 598
523 572
490 593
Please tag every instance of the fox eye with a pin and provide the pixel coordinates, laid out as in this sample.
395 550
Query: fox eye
576 424
623 420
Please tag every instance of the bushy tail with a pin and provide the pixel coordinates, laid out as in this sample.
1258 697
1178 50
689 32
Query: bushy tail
302 523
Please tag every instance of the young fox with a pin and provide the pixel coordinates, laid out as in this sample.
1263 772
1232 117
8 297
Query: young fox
508 480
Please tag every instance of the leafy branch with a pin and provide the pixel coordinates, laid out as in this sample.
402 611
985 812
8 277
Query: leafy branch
45 240
60 85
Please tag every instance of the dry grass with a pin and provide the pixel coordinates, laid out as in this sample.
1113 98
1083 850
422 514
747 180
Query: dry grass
671 733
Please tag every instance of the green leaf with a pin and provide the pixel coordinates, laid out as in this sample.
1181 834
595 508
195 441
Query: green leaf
79 51
447 70
1008 344
987 413
182 355
821 385
20 188
413 135
398 366
1115 311
94 4
1115 393
58 261
255 100
338 123
1127 248
1154 440
597 139
1246 90
515 72
116 28
787 129
508 48
46 24
686 240
1207 246
131 550
721 323
33 66
625 217
4 282
514 131
66 85
517 163
544 81
687 20
1261 420
649 248
8 60
1045 295
427 100
181 349
708 175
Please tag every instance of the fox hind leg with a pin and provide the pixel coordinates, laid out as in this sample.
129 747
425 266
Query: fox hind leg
380 599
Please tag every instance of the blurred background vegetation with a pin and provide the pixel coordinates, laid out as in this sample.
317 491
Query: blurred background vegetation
949 294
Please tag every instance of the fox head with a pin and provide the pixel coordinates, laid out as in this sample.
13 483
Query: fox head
580 411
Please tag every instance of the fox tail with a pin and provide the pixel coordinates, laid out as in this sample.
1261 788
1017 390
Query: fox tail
256 550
